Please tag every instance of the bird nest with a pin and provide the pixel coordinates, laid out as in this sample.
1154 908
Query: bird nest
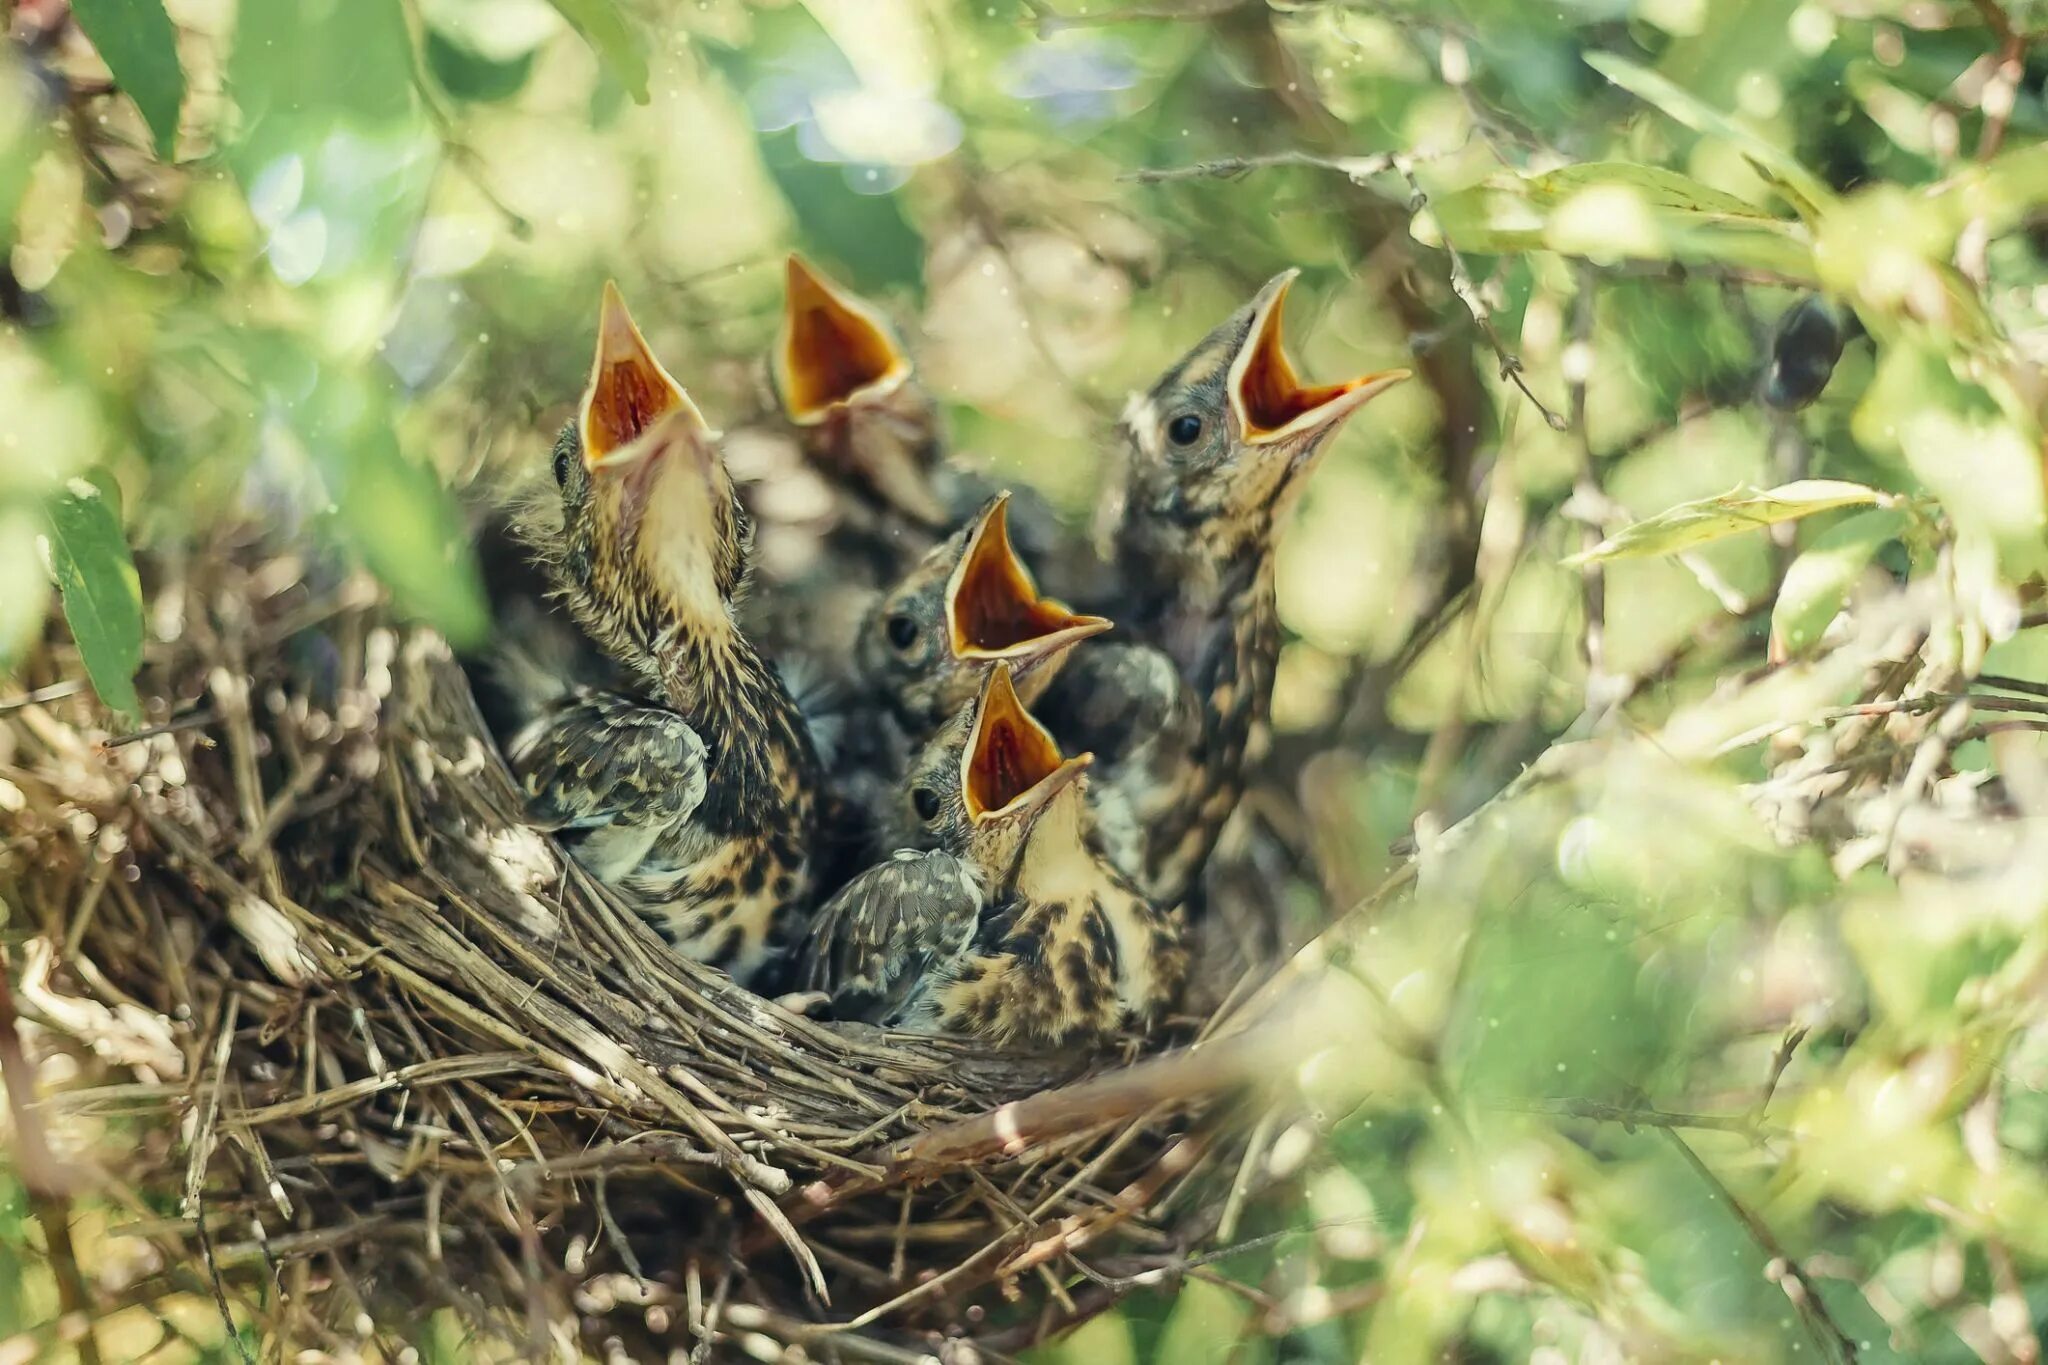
376 1048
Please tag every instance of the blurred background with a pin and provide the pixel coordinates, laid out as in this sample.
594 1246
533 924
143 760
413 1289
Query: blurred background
327 271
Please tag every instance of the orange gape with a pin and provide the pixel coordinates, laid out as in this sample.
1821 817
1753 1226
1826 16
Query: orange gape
1270 392
624 403
1011 752
832 356
995 605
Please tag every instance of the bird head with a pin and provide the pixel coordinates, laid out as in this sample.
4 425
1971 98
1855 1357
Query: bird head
845 383
967 606
1223 441
1012 775
656 538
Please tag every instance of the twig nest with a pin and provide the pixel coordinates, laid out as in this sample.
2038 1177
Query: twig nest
388 1031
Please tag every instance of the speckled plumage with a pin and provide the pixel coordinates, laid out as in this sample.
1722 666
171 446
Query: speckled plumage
1075 951
1217 451
697 798
1014 926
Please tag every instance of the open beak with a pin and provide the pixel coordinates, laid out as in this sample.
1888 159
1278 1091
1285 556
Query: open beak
833 350
1013 766
993 609
630 395
1267 396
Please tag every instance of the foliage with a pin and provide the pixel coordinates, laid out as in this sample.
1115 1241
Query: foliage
1721 1034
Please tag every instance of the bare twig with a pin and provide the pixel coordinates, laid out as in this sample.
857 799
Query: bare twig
1632 1117
1587 492
1359 170
1780 1059
2001 90
1834 1343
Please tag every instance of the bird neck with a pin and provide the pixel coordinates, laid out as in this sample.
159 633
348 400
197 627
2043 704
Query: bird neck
1211 607
1057 859
762 761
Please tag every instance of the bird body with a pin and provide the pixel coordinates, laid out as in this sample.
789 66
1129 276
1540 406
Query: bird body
1015 926
695 792
1218 450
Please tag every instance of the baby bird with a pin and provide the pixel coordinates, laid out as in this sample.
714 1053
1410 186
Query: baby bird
695 798
1219 450
1015 927
845 383
968 605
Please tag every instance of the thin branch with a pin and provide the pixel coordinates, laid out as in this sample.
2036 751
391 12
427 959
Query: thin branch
1359 170
1049 21
1780 1059
1586 491
1633 1117
2001 90
1834 1343
1468 294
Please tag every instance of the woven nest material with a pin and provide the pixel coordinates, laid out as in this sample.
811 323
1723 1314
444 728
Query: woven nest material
392 1052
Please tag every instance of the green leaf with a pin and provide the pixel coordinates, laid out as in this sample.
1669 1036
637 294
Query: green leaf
1708 519
605 29
1806 190
101 594
1610 210
392 510
136 41
470 76
1817 584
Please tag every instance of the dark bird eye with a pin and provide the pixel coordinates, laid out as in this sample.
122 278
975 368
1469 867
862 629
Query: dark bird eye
925 802
562 467
902 631
1185 429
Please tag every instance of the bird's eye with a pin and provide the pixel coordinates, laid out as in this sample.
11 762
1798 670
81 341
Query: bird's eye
1184 430
925 802
902 630
562 458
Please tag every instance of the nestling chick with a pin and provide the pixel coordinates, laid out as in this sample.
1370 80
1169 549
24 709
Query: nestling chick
1016 927
968 605
845 383
1219 450
696 799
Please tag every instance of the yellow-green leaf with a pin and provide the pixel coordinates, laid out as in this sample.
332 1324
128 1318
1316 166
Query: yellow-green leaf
1805 189
1707 519
136 41
1607 210
606 30
1817 583
102 596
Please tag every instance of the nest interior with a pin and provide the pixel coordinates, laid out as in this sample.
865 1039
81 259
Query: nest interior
387 1051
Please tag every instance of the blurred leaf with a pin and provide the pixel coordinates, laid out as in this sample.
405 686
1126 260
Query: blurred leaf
1610 210
332 147
1980 456
1802 186
866 235
24 583
603 27
1817 583
468 75
1208 1325
1708 519
136 41
97 582
393 511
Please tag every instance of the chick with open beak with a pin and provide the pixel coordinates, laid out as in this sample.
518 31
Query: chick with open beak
846 385
694 791
969 604
1013 926
1218 450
